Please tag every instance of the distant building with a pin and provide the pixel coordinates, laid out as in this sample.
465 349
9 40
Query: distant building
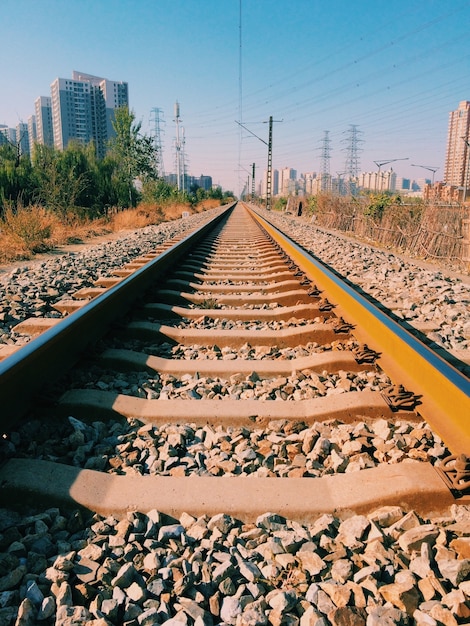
43 114
368 180
458 150
309 178
275 182
83 109
378 181
22 138
404 184
420 184
263 186
205 182
287 181
7 135
32 133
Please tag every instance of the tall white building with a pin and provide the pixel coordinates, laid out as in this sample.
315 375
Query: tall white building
83 109
43 114
114 93
456 171
22 138
287 178
32 133
378 181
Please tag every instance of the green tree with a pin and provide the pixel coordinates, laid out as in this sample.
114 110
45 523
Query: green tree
216 193
134 154
280 204
158 190
63 177
378 204
17 179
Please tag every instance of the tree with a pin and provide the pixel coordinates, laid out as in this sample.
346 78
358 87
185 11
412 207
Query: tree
63 176
133 152
378 204
17 179
159 191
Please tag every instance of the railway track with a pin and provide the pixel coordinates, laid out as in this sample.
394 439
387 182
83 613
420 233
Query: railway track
240 334
224 432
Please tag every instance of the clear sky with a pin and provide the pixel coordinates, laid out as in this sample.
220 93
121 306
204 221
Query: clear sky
392 69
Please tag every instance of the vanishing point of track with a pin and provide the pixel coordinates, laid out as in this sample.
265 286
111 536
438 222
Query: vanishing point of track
239 286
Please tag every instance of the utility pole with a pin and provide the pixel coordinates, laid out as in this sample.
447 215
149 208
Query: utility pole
269 178
467 162
253 181
270 157
178 146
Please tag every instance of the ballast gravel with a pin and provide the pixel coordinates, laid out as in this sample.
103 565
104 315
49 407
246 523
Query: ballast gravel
281 448
31 289
64 568
388 567
413 293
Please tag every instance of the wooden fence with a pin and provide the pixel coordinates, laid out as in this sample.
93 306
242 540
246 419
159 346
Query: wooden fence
435 232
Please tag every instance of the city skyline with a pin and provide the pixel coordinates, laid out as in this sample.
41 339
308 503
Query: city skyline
394 71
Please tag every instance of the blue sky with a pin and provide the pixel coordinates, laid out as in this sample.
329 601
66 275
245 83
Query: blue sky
392 69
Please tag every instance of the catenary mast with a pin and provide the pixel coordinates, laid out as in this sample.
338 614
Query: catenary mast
179 150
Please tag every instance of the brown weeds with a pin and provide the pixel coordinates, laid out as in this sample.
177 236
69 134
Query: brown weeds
26 231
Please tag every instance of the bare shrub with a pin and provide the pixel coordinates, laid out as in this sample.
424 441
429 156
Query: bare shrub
28 229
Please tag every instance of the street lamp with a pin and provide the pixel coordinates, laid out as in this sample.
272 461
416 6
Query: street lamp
430 168
380 163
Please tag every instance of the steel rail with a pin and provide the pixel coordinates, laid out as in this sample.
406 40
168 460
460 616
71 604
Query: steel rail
444 391
25 373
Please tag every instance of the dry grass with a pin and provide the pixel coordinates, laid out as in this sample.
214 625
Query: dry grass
24 232
27 231
146 214
33 230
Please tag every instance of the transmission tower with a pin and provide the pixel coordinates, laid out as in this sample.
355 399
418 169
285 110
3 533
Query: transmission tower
157 141
325 162
351 166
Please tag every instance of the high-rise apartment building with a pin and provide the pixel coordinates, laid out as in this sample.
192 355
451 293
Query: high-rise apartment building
22 138
456 171
378 181
43 114
83 109
32 133
17 137
287 178
7 135
274 184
